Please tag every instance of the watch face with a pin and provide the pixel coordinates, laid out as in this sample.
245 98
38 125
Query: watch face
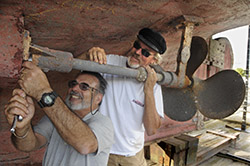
48 100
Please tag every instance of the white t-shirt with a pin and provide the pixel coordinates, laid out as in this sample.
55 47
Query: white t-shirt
123 102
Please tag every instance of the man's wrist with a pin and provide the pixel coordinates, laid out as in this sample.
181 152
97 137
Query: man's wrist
22 133
40 93
48 99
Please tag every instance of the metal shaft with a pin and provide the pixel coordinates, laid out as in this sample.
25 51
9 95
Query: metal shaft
65 63
79 64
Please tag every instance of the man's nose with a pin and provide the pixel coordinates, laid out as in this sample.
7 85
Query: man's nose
75 87
138 51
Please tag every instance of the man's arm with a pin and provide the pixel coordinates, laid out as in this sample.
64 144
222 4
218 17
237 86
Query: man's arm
71 128
26 140
151 118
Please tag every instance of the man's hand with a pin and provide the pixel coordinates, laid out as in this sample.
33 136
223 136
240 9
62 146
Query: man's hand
97 54
19 104
151 79
33 81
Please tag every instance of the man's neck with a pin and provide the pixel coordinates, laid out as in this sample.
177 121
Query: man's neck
82 113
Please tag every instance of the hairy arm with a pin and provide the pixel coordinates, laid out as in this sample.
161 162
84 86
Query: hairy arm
71 128
26 140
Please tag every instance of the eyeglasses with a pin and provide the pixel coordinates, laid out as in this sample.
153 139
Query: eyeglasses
83 86
144 52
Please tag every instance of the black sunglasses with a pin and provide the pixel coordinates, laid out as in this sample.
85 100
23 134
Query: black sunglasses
83 86
144 52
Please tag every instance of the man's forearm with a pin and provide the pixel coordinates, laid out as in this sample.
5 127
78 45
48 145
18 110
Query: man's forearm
25 140
151 119
71 128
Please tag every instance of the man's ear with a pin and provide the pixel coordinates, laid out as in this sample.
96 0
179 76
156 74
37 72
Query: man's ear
98 98
157 59
153 62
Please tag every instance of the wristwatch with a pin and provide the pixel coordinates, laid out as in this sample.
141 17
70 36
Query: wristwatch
48 99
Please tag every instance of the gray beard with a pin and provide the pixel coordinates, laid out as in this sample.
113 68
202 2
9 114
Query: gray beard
133 66
76 107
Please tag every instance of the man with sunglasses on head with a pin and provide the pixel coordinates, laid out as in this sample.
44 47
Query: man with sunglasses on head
133 107
75 133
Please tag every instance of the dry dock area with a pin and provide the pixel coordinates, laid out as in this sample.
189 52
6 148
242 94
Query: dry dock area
237 153
219 143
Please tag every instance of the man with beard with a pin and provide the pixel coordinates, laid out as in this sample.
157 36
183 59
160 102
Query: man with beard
133 107
75 135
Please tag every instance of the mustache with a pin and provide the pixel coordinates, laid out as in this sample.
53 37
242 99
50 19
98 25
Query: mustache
75 93
135 55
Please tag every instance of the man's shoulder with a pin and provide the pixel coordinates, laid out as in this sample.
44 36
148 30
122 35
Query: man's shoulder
116 59
101 118
101 121
115 56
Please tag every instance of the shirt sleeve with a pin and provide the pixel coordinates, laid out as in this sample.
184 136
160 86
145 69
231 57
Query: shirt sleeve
116 60
159 100
44 127
104 132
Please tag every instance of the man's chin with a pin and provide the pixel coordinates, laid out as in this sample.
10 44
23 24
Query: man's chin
76 107
73 105
133 65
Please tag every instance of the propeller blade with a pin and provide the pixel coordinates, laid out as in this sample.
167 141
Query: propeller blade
216 97
198 53
220 95
179 104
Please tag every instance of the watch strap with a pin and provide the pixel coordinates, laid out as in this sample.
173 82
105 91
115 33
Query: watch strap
53 95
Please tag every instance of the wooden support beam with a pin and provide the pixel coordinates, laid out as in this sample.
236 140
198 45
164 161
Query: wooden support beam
180 150
175 150
192 147
213 144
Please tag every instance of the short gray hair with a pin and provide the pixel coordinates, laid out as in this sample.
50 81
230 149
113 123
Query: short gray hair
102 82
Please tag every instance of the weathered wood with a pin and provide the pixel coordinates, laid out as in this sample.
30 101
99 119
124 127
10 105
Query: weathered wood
234 157
222 134
155 155
175 150
212 144
192 147
180 149
237 152
183 150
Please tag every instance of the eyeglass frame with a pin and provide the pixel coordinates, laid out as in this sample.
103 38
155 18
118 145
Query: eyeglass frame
80 85
144 51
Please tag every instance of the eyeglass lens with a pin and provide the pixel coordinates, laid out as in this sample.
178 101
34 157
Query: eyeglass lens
82 86
143 51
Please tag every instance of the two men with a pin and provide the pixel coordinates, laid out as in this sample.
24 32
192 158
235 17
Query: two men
132 106
76 133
